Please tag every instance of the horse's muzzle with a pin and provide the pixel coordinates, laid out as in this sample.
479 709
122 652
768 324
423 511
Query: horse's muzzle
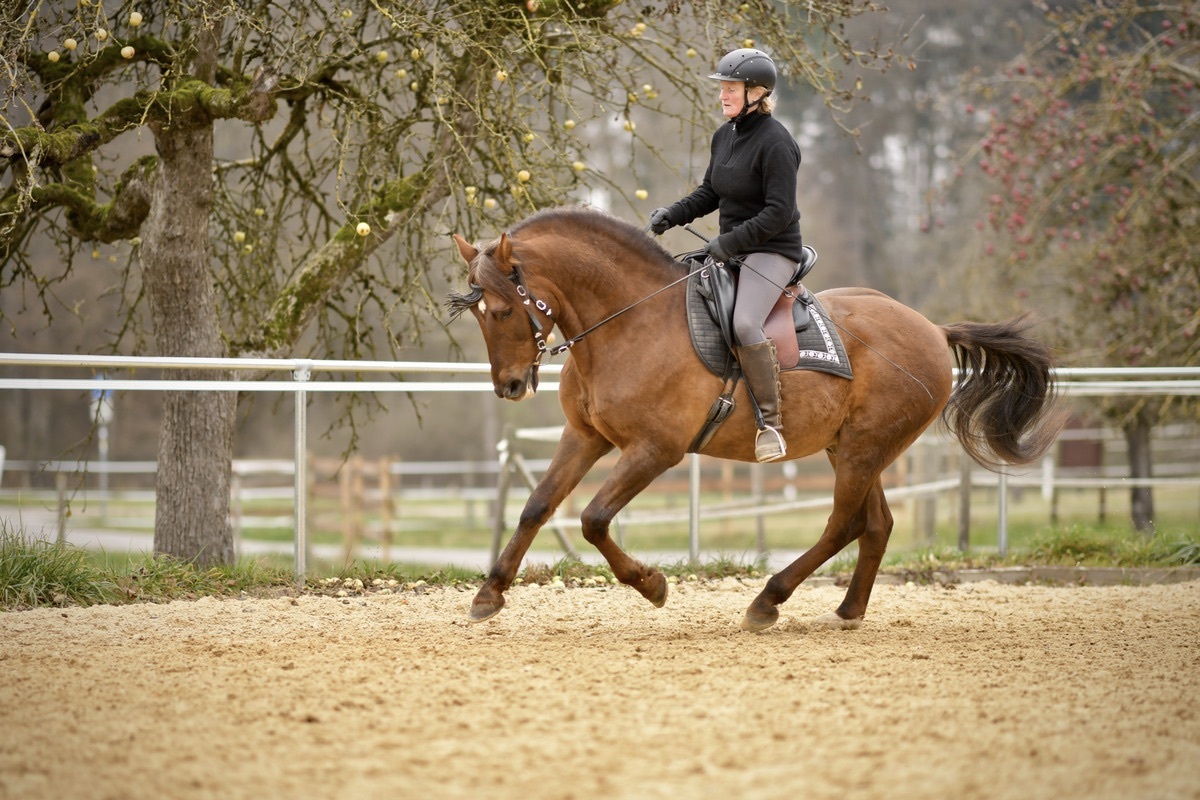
519 388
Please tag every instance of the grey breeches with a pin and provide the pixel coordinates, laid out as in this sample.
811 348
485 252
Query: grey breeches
760 283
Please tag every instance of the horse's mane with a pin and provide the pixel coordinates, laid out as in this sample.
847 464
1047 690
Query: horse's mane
625 233
484 276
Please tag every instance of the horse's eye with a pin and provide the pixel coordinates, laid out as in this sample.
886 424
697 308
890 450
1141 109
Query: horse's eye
505 314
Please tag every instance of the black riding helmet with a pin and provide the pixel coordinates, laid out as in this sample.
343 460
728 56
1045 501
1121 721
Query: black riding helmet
749 66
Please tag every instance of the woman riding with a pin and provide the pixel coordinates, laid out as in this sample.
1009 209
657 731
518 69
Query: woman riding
751 180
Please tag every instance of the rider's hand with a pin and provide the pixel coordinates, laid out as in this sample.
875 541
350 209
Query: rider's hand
659 221
716 249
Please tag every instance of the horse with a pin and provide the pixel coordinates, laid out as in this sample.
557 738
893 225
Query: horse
633 382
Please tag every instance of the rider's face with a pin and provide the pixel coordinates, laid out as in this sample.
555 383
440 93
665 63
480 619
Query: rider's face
734 97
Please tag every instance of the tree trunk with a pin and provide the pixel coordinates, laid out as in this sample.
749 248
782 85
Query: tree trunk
1137 438
195 452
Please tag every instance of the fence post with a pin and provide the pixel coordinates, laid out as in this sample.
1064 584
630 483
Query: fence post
760 522
1002 499
694 507
60 486
964 502
503 481
235 512
301 374
385 510
924 506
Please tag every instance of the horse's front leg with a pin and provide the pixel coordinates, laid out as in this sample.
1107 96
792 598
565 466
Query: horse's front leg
575 455
635 470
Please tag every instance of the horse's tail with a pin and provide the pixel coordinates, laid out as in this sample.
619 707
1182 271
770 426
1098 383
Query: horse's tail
1004 409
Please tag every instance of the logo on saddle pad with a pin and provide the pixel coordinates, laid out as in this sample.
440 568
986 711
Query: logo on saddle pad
804 336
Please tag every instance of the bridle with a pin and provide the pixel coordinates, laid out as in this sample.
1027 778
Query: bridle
530 302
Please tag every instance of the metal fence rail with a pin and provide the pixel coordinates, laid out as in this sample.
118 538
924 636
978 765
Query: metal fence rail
1103 381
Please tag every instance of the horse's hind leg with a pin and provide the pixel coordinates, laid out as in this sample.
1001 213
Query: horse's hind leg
575 455
871 546
854 514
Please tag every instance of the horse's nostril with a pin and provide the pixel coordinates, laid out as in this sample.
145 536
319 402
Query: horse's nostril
512 390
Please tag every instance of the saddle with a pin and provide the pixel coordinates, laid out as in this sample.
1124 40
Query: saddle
803 334
805 338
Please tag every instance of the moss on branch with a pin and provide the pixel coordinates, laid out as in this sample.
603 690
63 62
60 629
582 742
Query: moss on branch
191 102
325 271
120 218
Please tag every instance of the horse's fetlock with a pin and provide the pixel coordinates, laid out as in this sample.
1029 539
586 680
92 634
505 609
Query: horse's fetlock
775 590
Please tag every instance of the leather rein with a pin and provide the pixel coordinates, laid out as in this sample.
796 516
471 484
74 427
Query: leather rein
530 302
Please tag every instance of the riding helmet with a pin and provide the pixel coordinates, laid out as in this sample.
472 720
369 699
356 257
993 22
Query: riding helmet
751 67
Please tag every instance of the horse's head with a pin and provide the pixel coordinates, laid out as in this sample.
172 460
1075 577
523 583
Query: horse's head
501 305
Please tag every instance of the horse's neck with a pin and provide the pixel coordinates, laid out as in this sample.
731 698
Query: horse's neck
611 286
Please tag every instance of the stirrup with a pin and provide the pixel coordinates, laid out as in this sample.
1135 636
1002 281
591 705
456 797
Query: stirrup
769 445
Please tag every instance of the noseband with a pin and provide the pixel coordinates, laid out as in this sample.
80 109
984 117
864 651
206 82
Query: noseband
530 302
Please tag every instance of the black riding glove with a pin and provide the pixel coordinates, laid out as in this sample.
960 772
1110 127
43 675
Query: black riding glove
660 222
717 249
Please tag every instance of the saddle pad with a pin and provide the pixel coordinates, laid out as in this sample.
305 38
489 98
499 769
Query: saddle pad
821 347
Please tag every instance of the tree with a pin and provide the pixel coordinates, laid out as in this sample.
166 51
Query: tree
305 158
907 136
1091 145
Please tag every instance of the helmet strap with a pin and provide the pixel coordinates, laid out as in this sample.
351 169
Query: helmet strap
746 105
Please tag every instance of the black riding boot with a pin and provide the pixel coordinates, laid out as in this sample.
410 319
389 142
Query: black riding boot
760 365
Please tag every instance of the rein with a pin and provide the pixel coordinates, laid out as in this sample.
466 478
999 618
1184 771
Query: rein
532 302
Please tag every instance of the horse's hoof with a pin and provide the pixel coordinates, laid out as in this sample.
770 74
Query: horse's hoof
758 619
832 621
654 589
483 609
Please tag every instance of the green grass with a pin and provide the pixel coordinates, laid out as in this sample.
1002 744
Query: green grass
161 578
40 573
1096 546
36 573
1072 546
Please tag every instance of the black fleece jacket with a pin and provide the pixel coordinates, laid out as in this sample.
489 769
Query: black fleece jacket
751 179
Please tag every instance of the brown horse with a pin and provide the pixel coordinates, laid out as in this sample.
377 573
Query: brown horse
634 382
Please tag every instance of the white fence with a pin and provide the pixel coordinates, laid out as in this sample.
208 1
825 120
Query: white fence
1178 381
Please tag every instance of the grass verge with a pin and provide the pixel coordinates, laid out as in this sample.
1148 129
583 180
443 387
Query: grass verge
36 572
40 573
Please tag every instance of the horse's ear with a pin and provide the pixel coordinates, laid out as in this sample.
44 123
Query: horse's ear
503 255
464 249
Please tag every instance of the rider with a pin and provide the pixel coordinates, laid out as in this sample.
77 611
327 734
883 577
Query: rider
751 180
